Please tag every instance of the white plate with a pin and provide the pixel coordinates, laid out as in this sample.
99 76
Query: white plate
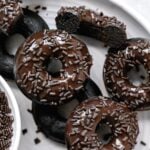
134 29
15 112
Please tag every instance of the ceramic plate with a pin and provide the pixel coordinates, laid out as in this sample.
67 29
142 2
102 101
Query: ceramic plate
134 29
15 113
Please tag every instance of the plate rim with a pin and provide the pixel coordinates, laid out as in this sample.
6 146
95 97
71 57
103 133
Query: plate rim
16 115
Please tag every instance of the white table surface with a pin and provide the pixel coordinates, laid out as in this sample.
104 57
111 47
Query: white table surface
139 9
140 6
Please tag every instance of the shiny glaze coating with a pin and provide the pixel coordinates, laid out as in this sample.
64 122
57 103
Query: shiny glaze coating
81 126
10 12
31 73
117 65
51 122
87 22
26 25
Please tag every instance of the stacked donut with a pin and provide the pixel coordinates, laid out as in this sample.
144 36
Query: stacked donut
52 68
15 20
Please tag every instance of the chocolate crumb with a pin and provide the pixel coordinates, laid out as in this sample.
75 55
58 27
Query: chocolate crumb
30 111
143 143
44 8
24 131
37 140
37 7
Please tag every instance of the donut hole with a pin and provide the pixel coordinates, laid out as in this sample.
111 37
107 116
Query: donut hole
66 109
137 74
104 132
53 66
13 43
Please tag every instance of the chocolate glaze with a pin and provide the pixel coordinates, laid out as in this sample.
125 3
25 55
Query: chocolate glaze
87 22
50 122
32 76
10 12
81 126
115 74
26 25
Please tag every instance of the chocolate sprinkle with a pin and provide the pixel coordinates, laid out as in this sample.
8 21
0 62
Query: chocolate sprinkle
116 79
36 82
80 129
10 11
6 120
143 143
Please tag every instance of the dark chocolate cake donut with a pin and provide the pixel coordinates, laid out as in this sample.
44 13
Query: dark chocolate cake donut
116 78
25 23
29 23
6 60
87 22
82 125
51 122
39 79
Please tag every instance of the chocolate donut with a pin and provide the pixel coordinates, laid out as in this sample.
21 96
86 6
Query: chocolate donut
116 70
28 23
51 122
10 12
87 22
6 62
39 79
82 125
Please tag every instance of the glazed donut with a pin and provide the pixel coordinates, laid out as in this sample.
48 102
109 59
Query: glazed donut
27 24
38 78
10 12
82 125
87 22
117 66
51 122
